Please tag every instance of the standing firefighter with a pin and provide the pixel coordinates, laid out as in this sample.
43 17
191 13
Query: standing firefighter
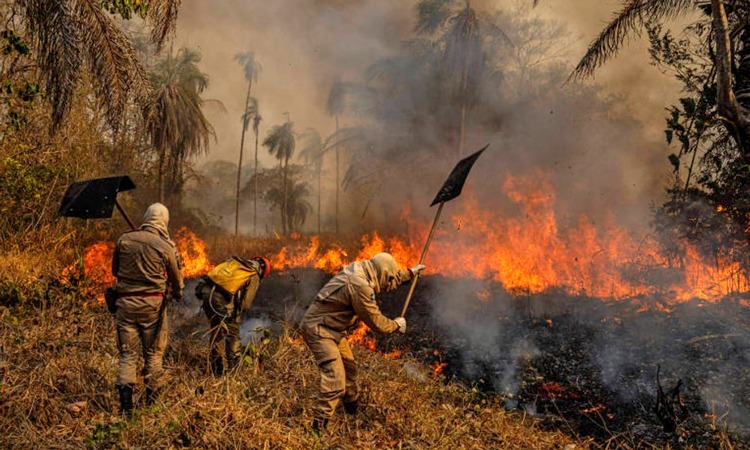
145 263
226 291
346 297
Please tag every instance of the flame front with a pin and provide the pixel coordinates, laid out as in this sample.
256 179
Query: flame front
526 252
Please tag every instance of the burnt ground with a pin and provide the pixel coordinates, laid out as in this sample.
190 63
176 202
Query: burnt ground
579 364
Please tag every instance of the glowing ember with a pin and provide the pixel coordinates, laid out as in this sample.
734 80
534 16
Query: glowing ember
597 408
438 366
551 389
395 354
361 336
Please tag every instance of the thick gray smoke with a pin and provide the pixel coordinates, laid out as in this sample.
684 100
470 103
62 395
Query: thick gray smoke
593 144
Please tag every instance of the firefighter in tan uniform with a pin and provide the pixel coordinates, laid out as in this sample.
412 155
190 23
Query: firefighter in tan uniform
348 296
226 291
145 262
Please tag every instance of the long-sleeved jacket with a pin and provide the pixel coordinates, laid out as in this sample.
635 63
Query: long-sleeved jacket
144 262
347 296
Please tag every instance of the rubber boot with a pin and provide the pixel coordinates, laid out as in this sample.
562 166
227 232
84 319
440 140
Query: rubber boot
126 399
351 407
217 367
319 425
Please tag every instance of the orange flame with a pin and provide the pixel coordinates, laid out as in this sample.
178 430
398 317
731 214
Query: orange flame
97 259
361 336
97 263
192 251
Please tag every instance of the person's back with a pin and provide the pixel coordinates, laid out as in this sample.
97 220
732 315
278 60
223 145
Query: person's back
142 262
226 291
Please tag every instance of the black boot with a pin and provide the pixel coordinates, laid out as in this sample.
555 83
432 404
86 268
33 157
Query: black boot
126 399
152 394
217 367
319 425
351 407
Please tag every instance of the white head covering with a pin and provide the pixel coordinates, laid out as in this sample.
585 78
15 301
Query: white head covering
386 269
157 218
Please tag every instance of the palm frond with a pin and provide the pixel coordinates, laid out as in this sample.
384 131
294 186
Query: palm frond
250 65
631 18
250 113
59 58
336 98
431 16
175 120
163 17
312 147
280 141
111 59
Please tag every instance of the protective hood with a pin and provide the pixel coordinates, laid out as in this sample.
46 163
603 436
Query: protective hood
157 218
386 272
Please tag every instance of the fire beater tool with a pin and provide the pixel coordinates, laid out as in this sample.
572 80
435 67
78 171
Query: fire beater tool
450 190
96 199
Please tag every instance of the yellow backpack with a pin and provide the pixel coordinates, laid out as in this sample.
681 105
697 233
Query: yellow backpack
232 274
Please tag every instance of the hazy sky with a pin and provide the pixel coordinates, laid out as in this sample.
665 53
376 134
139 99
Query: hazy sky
303 44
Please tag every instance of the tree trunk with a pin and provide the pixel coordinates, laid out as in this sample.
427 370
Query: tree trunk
285 212
735 117
161 168
337 173
464 107
239 164
255 188
319 167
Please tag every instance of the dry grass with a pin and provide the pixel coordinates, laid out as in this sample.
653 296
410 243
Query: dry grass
60 366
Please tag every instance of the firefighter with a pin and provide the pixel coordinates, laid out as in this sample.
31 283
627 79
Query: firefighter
145 263
228 290
347 297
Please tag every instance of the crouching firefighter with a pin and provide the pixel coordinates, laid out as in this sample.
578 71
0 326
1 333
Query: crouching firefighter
228 290
145 263
347 297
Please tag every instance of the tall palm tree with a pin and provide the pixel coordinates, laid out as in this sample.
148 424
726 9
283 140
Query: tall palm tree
73 36
281 143
175 120
256 125
252 69
251 111
297 207
462 51
312 153
335 107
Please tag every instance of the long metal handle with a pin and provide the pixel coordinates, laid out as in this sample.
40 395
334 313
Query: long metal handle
124 214
421 259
